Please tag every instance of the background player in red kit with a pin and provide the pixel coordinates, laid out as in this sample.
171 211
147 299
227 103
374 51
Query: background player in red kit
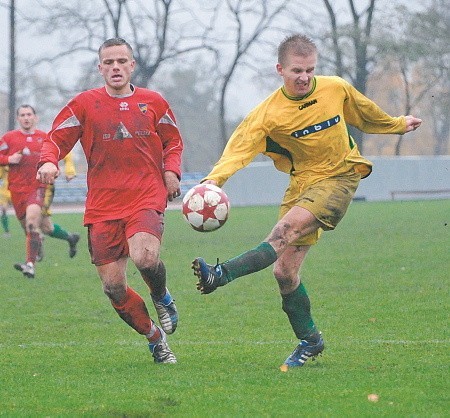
20 150
133 150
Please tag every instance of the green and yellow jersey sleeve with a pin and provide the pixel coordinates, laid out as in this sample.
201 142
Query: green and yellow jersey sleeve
307 137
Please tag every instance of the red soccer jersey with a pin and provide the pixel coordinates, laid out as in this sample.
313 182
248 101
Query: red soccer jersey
129 141
22 176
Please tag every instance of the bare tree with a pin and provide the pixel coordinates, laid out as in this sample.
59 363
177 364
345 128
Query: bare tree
249 21
153 28
431 29
173 32
358 35
416 43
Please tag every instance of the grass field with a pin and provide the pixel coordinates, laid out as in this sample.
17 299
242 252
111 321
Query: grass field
379 286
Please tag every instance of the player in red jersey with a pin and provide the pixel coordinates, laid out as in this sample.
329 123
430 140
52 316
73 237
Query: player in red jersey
133 150
20 150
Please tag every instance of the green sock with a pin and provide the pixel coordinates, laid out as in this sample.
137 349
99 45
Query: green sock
298 309
249 262
59 233
5 222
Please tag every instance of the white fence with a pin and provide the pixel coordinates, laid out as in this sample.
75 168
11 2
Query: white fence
393 178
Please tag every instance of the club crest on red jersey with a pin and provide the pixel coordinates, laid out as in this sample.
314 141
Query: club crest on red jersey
143 107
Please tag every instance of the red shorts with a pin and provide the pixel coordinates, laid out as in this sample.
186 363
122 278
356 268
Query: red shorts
21 200
107 240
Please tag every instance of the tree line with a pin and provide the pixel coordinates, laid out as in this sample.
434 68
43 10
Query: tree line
201 53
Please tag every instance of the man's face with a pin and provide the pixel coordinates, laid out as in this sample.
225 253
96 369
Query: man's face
27 119
298 73
116 66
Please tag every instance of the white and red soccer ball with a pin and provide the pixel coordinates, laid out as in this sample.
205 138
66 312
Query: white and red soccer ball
206 207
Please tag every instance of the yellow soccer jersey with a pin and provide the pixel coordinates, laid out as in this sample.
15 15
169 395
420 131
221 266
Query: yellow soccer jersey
69 166
5 195
69 171
307 137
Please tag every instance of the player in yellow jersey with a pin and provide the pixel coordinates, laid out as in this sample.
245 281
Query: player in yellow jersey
5 200
302 126
47 225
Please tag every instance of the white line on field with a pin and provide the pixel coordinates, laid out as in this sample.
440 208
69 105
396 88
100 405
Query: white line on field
183 342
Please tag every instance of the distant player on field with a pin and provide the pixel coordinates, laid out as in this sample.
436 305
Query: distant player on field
302 126
47 225
133 150
20 151
5 200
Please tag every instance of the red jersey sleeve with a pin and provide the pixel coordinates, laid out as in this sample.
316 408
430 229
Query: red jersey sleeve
171 141
67 129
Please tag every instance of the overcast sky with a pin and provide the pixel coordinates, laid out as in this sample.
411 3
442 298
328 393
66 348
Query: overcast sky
28 46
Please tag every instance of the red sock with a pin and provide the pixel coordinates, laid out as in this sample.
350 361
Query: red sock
34 242
134 312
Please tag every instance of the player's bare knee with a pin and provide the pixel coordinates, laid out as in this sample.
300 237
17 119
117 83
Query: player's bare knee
281 274
286 277
146 260
46 230
283 234
144 254
287 284
31 227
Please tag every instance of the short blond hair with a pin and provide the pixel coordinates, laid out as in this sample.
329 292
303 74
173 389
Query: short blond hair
296 44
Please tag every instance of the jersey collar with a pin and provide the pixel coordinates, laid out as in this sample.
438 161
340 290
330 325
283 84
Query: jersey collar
314 82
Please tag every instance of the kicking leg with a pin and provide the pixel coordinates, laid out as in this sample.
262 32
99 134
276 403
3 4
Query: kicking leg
56 231
295 224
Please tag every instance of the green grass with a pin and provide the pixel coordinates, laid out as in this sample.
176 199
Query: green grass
379 291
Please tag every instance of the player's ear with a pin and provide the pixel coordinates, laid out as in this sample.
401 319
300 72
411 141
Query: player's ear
279 68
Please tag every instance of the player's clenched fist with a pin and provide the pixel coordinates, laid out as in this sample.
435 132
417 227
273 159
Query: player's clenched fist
47 173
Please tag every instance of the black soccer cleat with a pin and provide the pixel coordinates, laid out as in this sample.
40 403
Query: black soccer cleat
73 241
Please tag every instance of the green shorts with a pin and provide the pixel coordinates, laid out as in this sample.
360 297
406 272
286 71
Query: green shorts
327 200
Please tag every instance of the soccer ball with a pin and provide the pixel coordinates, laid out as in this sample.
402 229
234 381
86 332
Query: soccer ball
206 207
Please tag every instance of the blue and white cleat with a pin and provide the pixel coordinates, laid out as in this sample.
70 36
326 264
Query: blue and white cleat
160 350
303 352
167 312
210 277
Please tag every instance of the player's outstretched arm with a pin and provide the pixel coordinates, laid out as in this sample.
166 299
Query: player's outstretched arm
412 123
